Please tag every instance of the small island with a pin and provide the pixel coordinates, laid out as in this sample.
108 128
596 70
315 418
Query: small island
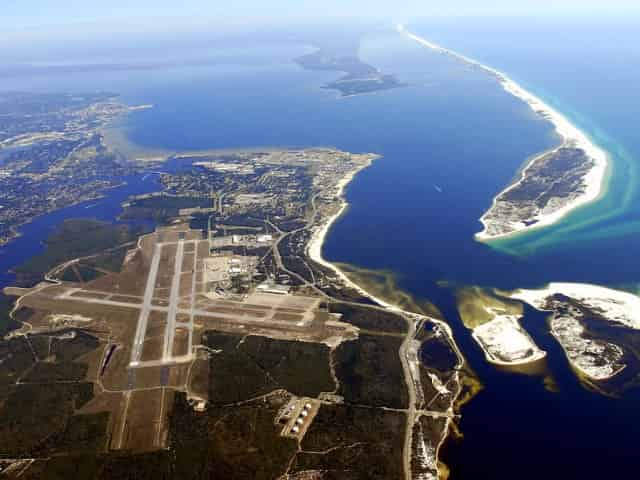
360 77
495 326
506 343
577 312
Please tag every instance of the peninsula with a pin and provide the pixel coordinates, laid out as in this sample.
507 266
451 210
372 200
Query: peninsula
495 326
553 183
53 154
225 319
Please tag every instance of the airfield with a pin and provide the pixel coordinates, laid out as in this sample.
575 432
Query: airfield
151 320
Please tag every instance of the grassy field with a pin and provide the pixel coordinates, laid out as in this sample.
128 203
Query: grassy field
73 239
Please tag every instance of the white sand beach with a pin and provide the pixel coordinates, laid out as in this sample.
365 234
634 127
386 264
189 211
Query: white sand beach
506 343
595 358
314 251
614 305
570 134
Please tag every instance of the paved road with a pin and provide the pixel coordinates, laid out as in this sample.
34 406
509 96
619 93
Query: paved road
143 319
411 389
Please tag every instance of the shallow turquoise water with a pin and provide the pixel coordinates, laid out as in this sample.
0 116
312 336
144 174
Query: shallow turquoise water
450 142
589 71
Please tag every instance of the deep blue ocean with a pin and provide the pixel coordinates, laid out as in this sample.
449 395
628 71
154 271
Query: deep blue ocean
450 141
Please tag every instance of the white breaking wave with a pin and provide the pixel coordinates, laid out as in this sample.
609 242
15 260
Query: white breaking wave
570 134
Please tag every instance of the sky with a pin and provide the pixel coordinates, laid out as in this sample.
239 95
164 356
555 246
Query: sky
32 30
21 14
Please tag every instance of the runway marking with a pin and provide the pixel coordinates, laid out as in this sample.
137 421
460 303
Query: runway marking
173 302
143 318
193 299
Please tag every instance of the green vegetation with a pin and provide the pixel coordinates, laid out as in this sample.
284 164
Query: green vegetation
599 327
162 208
73 239
16 357
199 221
48 172
427 433
6 322
247 367
55 372
349 86
234 377
236 437
58 361
243 220
297 265
240 443
370 318
68 350
360 443
246 443
359 77
83 433
438 360
290 224
94 267
243 443
41 388
32 415
370 372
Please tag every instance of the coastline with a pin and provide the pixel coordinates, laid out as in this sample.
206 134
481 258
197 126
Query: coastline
571 137
314 248
594 180
515 363
115 138
314 252
579 369
510 328
616 306
16 229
